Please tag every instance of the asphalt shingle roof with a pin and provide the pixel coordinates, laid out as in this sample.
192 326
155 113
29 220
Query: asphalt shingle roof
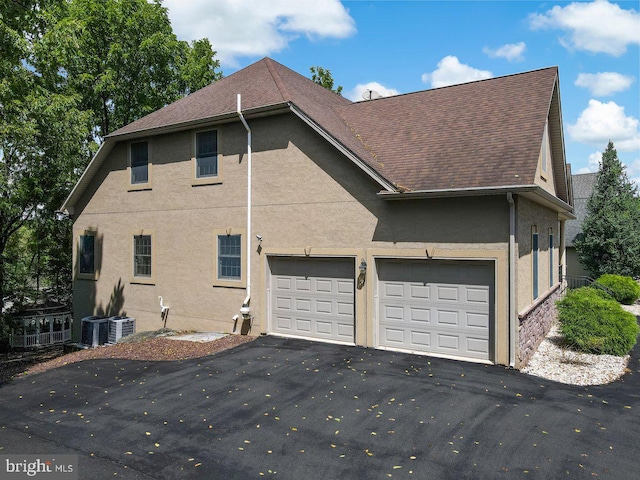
582 187
475 135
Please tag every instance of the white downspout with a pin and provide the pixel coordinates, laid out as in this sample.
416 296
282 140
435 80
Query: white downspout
512 281
245 304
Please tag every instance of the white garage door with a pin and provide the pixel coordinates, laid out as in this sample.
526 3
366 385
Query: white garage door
436 307
313 298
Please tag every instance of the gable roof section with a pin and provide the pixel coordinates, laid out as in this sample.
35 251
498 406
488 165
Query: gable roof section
262 84
583 185
475 135
479 135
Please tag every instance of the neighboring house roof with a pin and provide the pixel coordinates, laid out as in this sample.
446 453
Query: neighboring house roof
583 185
481 135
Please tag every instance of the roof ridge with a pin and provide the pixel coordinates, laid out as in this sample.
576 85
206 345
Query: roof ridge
275 75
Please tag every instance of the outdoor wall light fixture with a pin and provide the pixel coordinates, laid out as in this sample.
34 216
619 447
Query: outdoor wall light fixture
363 267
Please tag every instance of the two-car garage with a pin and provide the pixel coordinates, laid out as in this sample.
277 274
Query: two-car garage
436 307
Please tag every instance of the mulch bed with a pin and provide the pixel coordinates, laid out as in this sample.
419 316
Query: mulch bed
19 364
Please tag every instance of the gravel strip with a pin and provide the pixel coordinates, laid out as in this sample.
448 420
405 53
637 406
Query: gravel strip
555 362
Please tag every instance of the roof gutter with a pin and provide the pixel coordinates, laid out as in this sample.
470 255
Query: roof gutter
222 118
388 186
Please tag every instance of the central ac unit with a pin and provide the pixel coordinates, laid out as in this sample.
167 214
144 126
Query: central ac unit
121 327
95 331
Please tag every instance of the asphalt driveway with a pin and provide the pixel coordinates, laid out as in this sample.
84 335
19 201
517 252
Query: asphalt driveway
294 409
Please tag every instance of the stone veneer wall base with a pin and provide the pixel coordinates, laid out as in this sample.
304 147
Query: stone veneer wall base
534 324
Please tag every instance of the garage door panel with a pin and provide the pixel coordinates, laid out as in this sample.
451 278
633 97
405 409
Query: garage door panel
420 339
302 285
303 325
419 292
421 315
477 345
318 296
447 318
477 320
345 287
447 293
283 323
440 307
345 309
303 305
394 290
448 342
394 336
477 295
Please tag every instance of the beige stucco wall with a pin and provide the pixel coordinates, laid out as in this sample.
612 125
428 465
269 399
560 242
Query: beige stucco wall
529 214
546 180
307 200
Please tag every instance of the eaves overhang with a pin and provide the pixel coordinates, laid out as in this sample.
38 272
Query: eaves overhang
95 163
262 111
534 193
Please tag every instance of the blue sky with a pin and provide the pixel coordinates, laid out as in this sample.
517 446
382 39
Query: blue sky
400 46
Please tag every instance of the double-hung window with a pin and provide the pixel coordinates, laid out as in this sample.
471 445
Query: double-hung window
139 158
142 256
207 154
229 257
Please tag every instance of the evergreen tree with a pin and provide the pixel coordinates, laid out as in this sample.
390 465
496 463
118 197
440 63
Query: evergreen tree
610 239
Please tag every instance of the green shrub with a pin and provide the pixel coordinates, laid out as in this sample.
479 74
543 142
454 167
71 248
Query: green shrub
624 289
593 323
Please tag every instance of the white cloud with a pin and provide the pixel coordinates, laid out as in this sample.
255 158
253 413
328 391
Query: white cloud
355 95
593 163
451 72
604 83
513 52
632 169
238 28
597 27
601 122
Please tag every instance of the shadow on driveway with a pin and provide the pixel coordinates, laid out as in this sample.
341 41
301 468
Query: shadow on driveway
294 409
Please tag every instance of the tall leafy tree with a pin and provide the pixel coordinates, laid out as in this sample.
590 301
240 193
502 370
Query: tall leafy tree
123 58
323 77
71 72
42 132
610 240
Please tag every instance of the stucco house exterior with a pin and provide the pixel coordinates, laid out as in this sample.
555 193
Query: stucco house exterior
430 222
583 185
